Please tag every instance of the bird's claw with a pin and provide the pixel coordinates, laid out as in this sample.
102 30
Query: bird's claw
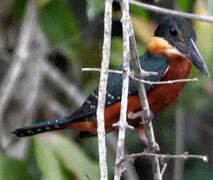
146 120
153 148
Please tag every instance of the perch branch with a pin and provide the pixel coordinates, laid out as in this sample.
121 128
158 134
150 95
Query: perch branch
171 12
142 80
102 88
152 145
184 156
125 86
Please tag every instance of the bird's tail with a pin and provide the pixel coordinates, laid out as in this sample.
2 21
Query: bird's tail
42 127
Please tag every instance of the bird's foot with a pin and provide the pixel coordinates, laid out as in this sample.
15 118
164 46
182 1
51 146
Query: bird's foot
150 147
154 148
145 119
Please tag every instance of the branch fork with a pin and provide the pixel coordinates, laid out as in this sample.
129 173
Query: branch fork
125 125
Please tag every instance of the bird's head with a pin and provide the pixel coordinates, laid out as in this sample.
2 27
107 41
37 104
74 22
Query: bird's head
176 35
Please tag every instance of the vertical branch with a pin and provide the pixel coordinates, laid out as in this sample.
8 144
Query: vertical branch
130 173
102 88
20 57
179 146
125 86
138 72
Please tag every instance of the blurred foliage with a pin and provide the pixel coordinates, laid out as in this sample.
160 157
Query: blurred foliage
13 169
94 8
60 157
57 156
65 27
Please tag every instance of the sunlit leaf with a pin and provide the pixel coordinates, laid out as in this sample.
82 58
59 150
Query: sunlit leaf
143 29
204 34
210 7
139 12
183 4
42 3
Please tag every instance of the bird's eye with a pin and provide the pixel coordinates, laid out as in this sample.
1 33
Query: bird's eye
173 31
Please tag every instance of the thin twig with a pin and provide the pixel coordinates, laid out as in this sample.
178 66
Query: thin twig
145 73
30 84
171 12
164 82
73 92
125 86
142 80
130 172
163 169
184 156
102 89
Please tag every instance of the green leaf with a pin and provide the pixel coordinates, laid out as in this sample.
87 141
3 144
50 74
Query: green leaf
116 52
139 12
57 21
94 7
183 4
70 155
13 169
48 162
18 8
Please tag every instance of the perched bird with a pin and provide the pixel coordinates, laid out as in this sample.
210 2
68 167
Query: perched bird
170 52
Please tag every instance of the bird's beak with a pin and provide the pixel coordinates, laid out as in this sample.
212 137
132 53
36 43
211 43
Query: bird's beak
189 50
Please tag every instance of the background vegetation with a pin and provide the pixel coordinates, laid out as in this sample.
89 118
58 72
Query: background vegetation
68 35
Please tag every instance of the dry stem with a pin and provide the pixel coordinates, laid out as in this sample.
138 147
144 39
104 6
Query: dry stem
171 12
125 86
142 80
152 145
102 88
184 156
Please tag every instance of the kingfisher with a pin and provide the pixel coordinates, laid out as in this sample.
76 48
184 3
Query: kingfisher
170 52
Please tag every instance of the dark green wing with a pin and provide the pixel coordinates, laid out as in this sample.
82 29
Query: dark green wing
149 62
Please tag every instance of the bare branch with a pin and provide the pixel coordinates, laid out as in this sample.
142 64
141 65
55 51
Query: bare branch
73 92
184 156
102 88
20 57
117 124
125 86
142 80
145 73
164 169
164 82
130 172
171 12
152 145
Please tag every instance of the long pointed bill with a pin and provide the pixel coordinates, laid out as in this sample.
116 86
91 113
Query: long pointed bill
191 52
